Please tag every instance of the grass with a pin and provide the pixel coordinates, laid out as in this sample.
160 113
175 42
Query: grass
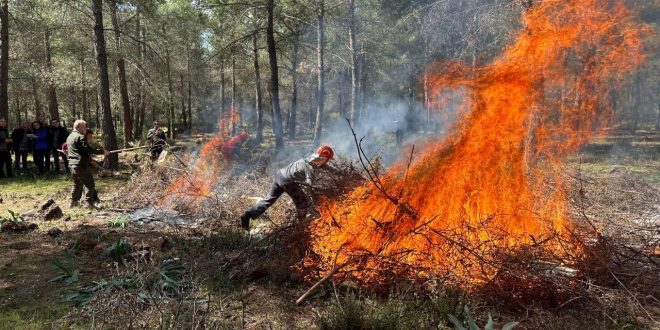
401 310
33 314
23 193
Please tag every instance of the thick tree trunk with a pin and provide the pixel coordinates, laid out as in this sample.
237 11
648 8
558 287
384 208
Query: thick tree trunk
109 135
121 72
257 90
274 78
53 109
294 86
353 63
4 59
318 127
657 117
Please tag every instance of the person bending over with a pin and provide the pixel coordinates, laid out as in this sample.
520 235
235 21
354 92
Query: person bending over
289 180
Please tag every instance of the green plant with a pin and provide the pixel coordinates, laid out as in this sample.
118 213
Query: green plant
67 273
472 322
84 295
118 222
13 217
118 251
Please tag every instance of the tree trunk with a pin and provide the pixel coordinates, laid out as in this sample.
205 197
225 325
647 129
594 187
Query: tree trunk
121 71
170 93
274 78
35 97
74 99
4 59
184 115
363 83
353 62
223 101
233 95
189 83
318 127
53 109
109 135
18 111
142 97
83 91
257 90
657 117
294 85
98 107
190 121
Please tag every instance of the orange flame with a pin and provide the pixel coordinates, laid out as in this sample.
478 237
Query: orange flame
193 187
495 182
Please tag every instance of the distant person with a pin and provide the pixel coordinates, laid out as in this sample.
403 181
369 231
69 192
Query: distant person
156 138
5 150
57 137
232 148
79 153
40 148
21 146
289 180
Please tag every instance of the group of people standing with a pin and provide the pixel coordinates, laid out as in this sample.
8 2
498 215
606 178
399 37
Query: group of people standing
41 140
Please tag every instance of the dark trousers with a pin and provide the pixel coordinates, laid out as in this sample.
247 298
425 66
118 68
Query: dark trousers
21 156
5 164
83 178
42 160
276 190
56 159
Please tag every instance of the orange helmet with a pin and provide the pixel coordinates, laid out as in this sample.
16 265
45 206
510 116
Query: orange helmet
325 151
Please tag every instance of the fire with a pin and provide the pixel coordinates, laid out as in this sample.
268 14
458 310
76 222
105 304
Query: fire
192 187
495 183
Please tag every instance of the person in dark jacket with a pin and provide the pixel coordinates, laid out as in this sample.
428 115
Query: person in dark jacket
40 149
156 138
21 145
289 180
79 153
5 148
57 137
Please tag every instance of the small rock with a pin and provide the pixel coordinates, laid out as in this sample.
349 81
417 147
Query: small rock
47 204
53 212
68 218
54 232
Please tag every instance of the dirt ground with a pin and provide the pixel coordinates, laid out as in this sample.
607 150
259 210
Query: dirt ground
200 270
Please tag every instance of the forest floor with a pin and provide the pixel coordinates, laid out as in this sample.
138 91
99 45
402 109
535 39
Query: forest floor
107 269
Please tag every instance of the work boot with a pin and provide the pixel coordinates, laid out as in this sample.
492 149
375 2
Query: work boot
245 220
74 204
93 206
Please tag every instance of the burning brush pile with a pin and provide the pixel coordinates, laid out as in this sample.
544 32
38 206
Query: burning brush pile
486 205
